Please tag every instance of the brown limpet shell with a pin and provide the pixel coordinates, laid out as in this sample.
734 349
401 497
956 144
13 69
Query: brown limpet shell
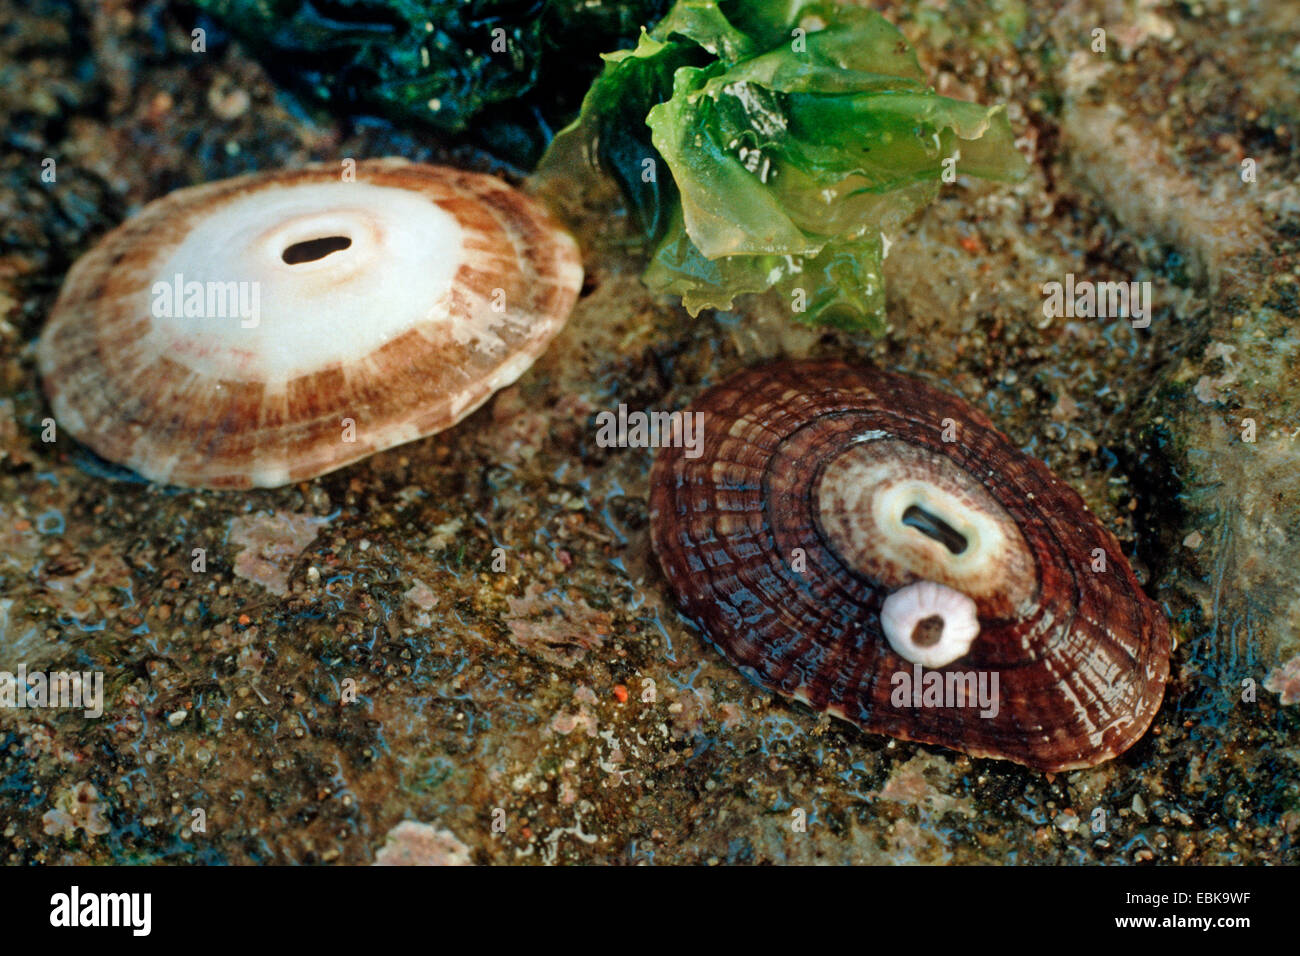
827 493
270 328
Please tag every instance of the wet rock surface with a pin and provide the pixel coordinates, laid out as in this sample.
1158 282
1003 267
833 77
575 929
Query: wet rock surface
472 634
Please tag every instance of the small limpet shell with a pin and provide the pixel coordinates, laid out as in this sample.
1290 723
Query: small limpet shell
267 329
929 624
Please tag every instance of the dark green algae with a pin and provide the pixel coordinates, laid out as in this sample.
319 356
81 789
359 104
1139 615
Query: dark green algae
454 719
504 74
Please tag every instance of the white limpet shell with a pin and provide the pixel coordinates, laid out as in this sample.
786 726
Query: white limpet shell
267 329
929 624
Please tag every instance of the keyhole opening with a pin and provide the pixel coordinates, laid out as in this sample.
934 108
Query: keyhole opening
932 526
311 250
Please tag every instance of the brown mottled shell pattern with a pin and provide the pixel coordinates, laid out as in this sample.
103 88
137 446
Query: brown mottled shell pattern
1081 665
157 416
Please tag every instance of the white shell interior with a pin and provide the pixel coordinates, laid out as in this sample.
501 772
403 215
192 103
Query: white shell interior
260 318
907 607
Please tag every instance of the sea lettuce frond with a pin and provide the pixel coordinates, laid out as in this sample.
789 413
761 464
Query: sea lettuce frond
769 144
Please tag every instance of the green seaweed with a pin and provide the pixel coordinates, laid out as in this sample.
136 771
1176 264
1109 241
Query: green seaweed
794 136
501 73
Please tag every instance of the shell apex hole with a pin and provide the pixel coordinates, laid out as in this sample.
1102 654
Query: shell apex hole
313 250
933 526
928 631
